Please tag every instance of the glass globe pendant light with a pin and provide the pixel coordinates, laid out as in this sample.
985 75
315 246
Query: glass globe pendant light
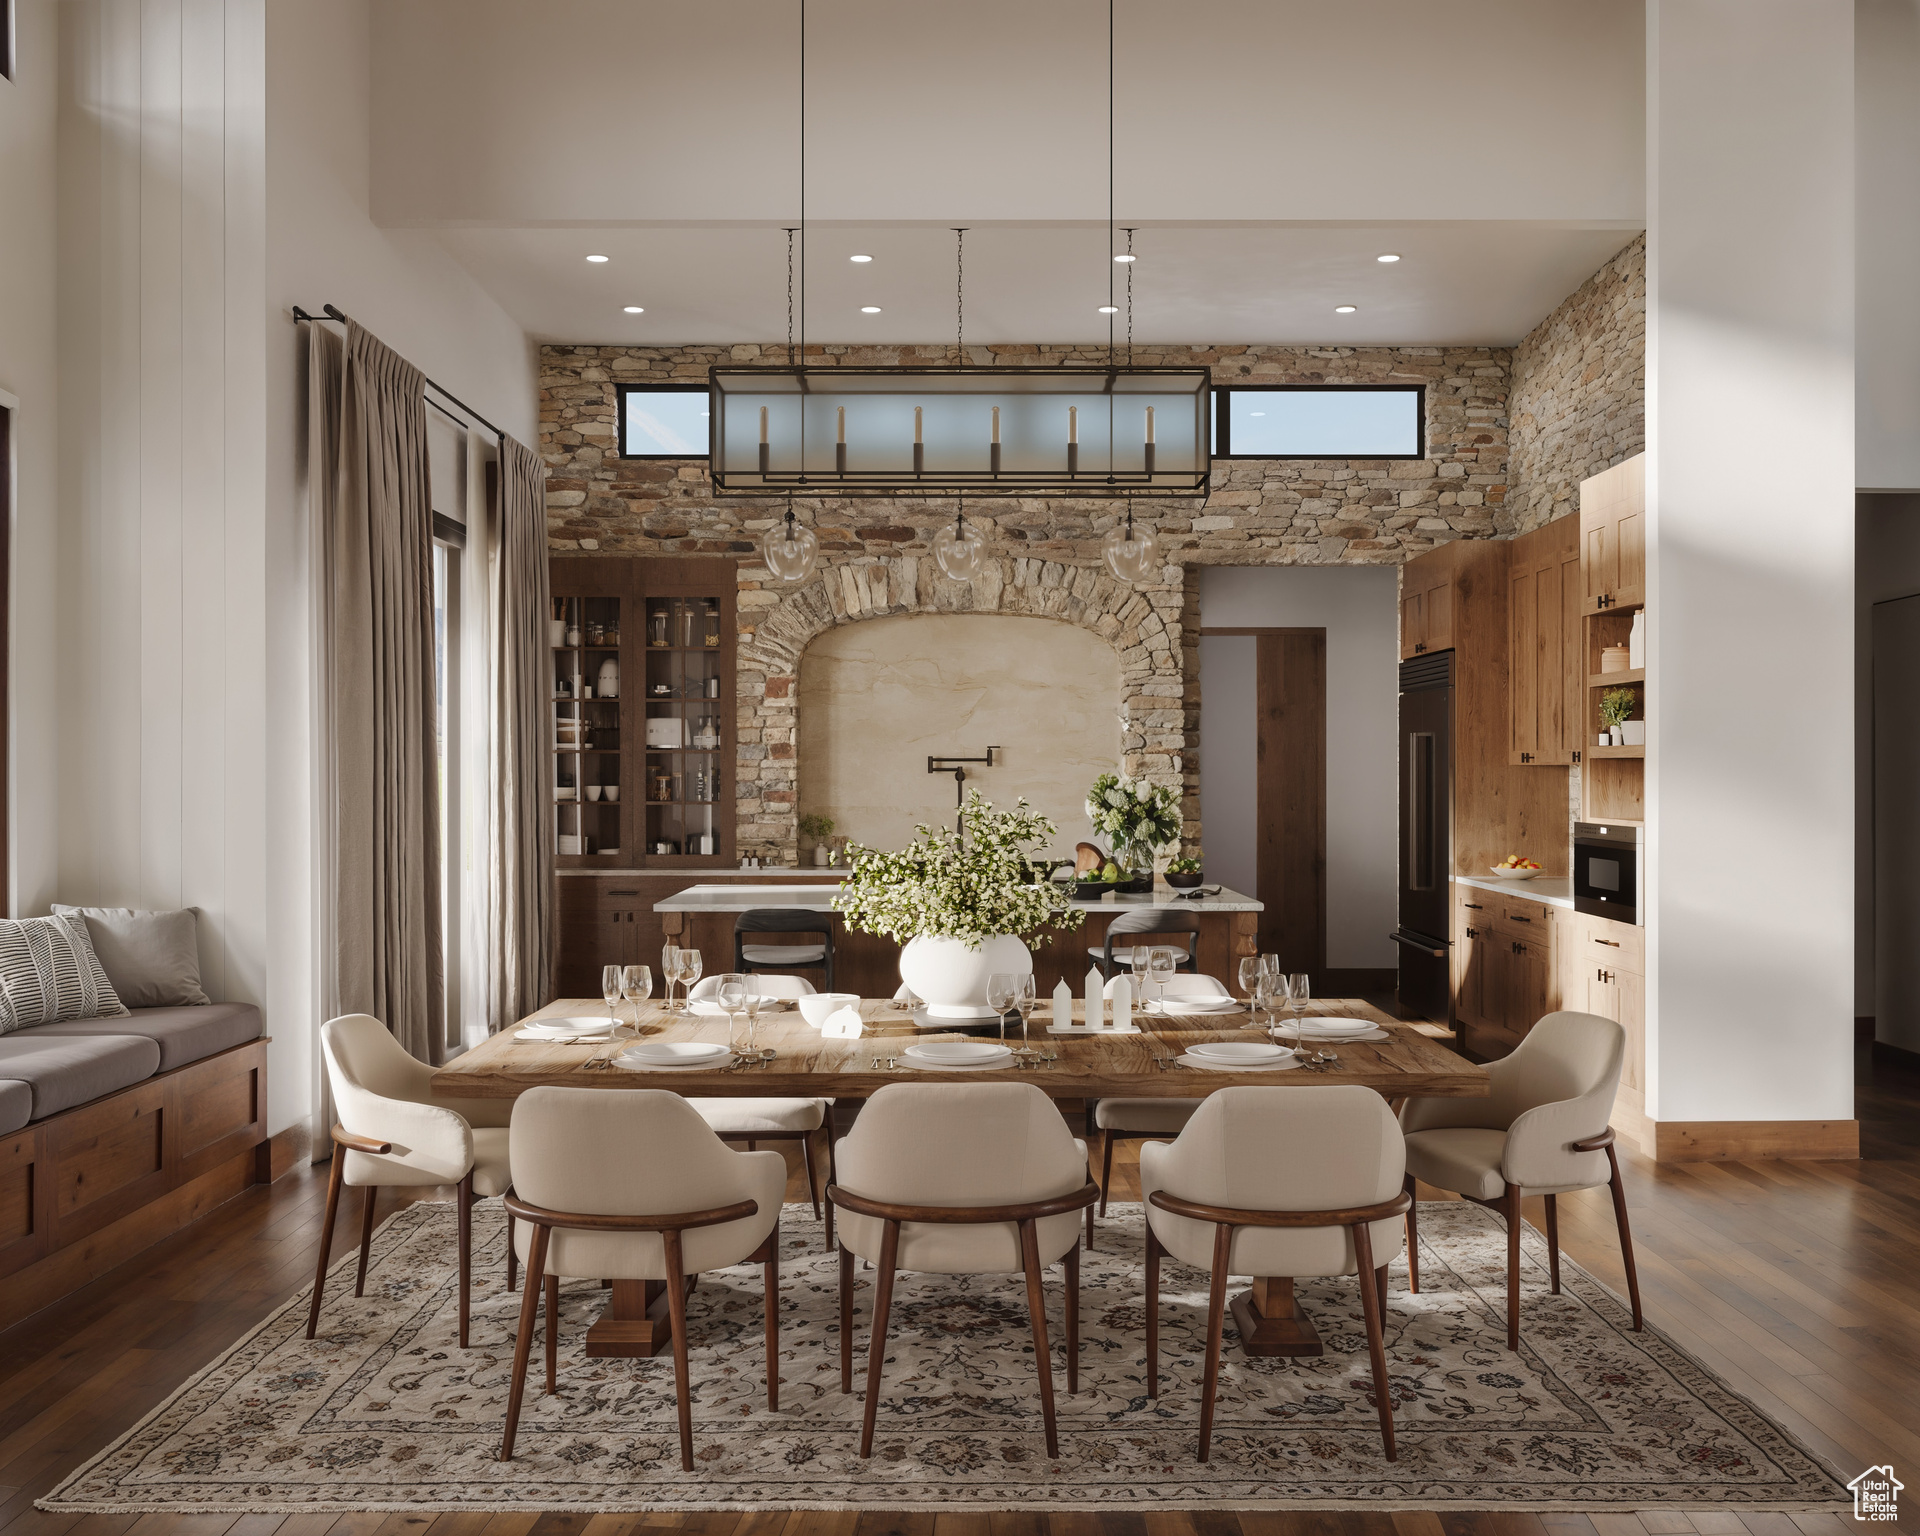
1132 554
790 550
959 550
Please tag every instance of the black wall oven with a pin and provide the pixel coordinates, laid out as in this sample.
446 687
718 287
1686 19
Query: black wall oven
1608 865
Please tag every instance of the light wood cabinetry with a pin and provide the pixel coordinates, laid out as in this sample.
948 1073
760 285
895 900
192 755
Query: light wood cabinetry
1613 537
1427 603
1506 972
1546 660
1603 970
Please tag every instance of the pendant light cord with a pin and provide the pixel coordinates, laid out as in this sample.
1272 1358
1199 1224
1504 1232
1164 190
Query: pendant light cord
1110 121
803 179
960 295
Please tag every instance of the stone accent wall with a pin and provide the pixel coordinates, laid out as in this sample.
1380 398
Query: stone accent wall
1046 559
1579 390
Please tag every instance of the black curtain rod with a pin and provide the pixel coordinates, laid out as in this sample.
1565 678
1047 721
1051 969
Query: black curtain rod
330 313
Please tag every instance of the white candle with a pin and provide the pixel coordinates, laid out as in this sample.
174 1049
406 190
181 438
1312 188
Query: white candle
1073 423
996 423
1149 423
840 412
1123 1003
1062 1003
1095 987
763 423
916 423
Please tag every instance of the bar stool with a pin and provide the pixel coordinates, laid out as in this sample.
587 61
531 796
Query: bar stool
1158 921
784 957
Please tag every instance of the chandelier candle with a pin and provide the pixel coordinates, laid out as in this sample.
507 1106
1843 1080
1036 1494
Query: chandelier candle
764 452
840 441
919 445
1073 439
993 448
1149 445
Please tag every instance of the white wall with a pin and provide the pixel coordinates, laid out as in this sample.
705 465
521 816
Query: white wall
1887 191
1358 606
29 373
1750 437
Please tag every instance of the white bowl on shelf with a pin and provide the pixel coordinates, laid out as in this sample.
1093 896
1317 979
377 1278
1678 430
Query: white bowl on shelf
1514 874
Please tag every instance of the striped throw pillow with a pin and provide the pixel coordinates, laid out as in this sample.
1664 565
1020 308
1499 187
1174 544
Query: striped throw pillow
49 974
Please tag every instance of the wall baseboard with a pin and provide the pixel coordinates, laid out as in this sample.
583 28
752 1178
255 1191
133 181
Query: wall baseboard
280 1154
1898 1056
1741 1141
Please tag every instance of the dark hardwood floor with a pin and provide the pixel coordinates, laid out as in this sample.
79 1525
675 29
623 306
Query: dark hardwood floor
1798 1282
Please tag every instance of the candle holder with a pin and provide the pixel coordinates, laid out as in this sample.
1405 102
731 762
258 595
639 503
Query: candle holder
1073 458
919 458
993 458
765 458
1149 458
839 458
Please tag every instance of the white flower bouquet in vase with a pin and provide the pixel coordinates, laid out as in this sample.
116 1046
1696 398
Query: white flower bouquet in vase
1138 818
961 906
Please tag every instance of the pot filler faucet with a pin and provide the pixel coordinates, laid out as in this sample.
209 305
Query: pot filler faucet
957 766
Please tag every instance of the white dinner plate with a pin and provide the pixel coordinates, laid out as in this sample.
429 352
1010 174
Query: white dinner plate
958 1053
1317 1038
626 1062
1333 1024
1195 1005
1082 1030
565 1029
958 1066
1240 1050
675 1053
1214 1064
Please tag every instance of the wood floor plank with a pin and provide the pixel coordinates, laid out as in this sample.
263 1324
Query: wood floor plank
1717 1523
1666 1522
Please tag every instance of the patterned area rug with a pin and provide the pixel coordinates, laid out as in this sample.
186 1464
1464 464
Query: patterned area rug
383 1412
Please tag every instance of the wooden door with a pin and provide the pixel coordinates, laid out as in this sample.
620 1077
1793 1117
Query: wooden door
1291 814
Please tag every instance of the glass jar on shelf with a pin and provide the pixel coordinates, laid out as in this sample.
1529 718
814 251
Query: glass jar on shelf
657 628
685 625
660 785
711 636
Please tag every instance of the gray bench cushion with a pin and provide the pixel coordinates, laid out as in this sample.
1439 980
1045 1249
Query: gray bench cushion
64 1070
16 1106
183 1034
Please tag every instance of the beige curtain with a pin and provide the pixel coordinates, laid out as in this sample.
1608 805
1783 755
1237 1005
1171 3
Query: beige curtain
520 973
379 847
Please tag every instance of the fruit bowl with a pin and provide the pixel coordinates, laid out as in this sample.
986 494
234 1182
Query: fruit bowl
1506 873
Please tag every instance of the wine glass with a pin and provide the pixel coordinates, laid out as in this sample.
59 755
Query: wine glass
689 974
754 1001
636 986
1160 967
1272 985
670 971
1026 1000
1003 987
731 995
1251 970
1137 959
1299 990
610 990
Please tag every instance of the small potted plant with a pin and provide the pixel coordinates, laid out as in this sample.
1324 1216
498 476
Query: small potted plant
1615 705
1183 873
818 829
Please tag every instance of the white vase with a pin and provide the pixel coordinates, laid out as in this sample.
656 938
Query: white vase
608 682
821 854
952 979
1633 733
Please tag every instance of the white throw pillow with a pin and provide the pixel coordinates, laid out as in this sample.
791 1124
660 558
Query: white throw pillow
49 974
151 958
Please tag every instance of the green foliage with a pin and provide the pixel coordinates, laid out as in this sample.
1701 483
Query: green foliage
939 886
816 828
1185 866
1617 704
1132 812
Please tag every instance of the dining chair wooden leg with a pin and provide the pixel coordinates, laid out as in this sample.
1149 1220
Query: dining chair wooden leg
1037 1314
513 1259
846 1318
1072 1263
1413 1235
366 1238
463 1217
1513 1267
1380 1285
334 1177
553 1334
523 1340
1153 1312
813 1185
1373 1308
773 1317
882 1303
1216 1318
1619 1192
1106 1172
1553 1243
831 1171
677 1321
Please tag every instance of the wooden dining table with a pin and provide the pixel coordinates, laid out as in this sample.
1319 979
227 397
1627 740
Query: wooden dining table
806 1064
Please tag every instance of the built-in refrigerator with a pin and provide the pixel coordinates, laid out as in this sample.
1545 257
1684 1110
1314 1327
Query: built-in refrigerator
1426 834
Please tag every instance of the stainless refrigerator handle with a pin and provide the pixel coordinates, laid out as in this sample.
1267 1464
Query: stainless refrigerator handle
1401 938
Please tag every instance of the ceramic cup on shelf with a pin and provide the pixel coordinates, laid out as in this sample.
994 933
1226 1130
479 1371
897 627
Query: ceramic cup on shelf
573 635
557 630
593 791
610 792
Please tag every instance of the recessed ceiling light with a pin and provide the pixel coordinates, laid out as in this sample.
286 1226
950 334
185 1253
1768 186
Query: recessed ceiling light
1126 258
1109 309
599 258
859 258
1387 256
635 309
1343 309
869 309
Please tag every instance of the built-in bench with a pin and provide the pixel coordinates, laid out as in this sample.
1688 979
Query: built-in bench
115 1132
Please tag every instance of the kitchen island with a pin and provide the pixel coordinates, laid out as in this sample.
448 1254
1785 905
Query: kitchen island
702 917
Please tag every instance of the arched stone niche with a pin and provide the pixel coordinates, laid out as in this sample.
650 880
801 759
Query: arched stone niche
778 626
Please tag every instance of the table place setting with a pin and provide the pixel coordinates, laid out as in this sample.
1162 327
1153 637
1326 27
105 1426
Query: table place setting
1240 1056
566 1031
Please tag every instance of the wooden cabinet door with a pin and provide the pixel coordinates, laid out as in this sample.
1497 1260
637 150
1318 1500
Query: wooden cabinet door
1413 617
1532 988
1438 635
1613 537
1573 652
595 930
1539 632
1471 942
1523 645
1630 558
1599 560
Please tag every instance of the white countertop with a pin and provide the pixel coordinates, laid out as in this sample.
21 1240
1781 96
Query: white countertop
819 898
772 872
1551 890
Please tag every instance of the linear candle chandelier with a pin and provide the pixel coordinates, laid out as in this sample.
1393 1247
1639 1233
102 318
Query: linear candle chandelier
1087 430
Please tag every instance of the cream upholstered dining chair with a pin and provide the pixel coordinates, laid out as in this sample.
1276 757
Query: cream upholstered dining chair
756 1120
393 1131
1141 1119
630 1184
1542 1131
960 1179
1306 1185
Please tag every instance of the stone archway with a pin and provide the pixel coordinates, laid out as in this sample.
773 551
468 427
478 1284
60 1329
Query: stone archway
1143 627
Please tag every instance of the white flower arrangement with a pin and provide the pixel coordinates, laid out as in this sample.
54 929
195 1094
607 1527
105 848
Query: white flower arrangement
940 886
1133 812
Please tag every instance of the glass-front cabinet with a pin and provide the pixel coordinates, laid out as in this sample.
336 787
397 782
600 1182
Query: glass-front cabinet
643 701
